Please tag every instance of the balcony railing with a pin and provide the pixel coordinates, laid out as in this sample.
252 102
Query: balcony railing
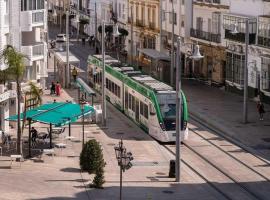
211 37
263 41
139 23
38 50
239 37
152 25
38 17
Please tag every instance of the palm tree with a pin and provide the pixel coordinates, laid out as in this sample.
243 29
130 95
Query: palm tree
34 95
15 72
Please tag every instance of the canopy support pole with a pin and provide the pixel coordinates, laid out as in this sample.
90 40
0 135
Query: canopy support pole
29 138
79 94
69 129
50 135
92 100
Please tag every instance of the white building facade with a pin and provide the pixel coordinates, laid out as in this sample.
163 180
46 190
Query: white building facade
23 24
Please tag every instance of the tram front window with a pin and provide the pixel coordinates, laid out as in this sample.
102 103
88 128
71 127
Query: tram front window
168 110
169 124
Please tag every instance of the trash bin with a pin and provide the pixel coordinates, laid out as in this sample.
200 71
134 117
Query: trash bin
172 169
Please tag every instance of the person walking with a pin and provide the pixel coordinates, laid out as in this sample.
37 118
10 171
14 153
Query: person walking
261 111
74 73
52 88
58 88
34 135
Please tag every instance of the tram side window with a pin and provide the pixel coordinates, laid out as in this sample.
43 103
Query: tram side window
118 91
141 108
145 111
126 99
107 83
129 101
133 103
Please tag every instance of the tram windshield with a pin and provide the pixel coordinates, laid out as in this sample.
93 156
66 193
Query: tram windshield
169 124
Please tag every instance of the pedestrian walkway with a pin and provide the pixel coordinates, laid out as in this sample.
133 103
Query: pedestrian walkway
223 111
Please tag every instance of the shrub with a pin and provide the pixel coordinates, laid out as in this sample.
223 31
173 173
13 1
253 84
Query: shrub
99 179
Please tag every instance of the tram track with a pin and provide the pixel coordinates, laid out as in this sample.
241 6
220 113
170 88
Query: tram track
244 189
230 139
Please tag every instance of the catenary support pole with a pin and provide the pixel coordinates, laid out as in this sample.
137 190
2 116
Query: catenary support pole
172 48
103 76
245 109
67 82
178 111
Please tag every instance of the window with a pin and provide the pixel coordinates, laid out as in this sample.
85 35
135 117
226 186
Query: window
107 83
235 68
145 111
199 23
265 74
216 23
126 98
129 101
32 5
133 103
141 107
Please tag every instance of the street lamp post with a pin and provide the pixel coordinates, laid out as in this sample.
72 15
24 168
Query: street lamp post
245 96
103 105
82 104
172 47
124 159
196 56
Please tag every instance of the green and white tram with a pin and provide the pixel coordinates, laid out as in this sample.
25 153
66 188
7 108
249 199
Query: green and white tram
151 104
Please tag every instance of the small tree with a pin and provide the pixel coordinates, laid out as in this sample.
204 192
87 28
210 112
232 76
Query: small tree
91 160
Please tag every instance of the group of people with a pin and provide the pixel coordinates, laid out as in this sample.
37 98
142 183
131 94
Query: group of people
55 88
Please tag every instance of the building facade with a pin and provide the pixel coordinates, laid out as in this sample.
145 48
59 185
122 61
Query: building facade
23 24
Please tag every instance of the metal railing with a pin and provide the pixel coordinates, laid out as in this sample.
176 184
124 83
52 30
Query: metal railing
263 41
38 50
38 17
211 37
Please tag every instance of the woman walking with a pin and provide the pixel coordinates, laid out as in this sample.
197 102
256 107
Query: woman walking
58 88
260 108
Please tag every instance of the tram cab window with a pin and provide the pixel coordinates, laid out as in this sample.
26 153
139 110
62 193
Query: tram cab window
152 110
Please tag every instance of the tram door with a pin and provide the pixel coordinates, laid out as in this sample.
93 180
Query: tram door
137 111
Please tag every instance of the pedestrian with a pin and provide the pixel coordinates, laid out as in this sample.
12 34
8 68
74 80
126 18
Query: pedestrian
58 88
34 135
74 73
52 88
260 108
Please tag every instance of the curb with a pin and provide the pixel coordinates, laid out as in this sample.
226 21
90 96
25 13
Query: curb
221 132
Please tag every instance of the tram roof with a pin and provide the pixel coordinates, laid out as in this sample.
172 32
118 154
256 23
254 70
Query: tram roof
145 80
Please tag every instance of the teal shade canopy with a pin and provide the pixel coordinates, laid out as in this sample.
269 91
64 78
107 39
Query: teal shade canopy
57 114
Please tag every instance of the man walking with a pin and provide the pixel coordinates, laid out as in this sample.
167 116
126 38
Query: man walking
74 74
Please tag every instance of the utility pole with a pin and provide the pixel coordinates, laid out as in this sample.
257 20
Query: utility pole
67 79
178 111
172 47
245 109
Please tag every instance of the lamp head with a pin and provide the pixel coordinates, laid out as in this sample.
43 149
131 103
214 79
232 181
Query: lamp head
234 31
116 32
197 54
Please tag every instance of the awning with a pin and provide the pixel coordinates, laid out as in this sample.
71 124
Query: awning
62 57
57 114
154 54
84 87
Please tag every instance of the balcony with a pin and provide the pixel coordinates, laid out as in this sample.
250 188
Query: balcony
32 18
33 53
5 94
152 25
264 42
240 37
139 23
211 37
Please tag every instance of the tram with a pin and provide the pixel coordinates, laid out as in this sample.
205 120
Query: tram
149 103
